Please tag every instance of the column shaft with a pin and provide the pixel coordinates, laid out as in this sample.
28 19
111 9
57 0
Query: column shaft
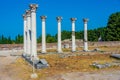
25 34
73 34
34 42
43 34
73 37
28 34
59 38
33 8
85 35
59 35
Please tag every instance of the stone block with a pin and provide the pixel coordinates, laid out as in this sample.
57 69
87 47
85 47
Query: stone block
115 56
43 61
38 64
100 66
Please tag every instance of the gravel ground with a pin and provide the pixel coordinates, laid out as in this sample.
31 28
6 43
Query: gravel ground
7 74
109 75
5 60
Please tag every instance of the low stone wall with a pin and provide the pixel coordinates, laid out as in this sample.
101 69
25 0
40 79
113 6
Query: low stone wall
94 44
106 43
11 46
64 44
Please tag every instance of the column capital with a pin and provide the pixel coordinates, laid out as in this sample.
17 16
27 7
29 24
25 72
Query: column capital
43 17
33 7
24 16
28 12
73 19
59 18
85 20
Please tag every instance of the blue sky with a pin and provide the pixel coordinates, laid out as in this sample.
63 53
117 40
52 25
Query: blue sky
98 11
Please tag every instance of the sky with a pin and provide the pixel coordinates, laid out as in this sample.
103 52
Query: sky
97 11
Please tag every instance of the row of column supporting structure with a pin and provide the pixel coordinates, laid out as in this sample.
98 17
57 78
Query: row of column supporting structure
30 40
59 46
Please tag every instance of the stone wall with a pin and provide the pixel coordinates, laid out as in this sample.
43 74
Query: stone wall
64 43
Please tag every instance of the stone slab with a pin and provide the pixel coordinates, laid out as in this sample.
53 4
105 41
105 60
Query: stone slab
38 64
115 56
43 61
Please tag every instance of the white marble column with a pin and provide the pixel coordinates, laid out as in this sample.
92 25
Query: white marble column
28 32
59 35
43 34
85 20
33 8
25 34
73 34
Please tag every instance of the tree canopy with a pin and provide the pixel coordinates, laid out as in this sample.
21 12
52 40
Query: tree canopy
113 27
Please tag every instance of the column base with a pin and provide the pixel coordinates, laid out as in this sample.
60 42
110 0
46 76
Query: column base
37 63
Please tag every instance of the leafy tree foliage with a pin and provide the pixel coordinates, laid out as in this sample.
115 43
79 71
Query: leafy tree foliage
66 35
19 39
5 40
50 39
79 35
113 27
39 40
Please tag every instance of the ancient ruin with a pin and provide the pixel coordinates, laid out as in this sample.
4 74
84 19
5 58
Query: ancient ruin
30 40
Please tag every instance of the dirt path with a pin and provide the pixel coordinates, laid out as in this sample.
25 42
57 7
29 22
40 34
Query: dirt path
109 75
5 61
7 72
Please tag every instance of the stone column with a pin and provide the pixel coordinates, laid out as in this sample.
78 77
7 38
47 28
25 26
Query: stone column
73 34
85 20
59 34
43 34
25 34
33 8
28 32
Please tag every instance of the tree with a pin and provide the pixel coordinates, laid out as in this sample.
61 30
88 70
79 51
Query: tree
113 27
66 35
9 40
39 39
19 39
79 35
50 39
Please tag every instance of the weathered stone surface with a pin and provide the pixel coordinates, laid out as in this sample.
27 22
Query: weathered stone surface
105 65
66 46
43 61
115 56
38 64
99 66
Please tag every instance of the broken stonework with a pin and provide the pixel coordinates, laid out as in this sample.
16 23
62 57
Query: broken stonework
38 64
